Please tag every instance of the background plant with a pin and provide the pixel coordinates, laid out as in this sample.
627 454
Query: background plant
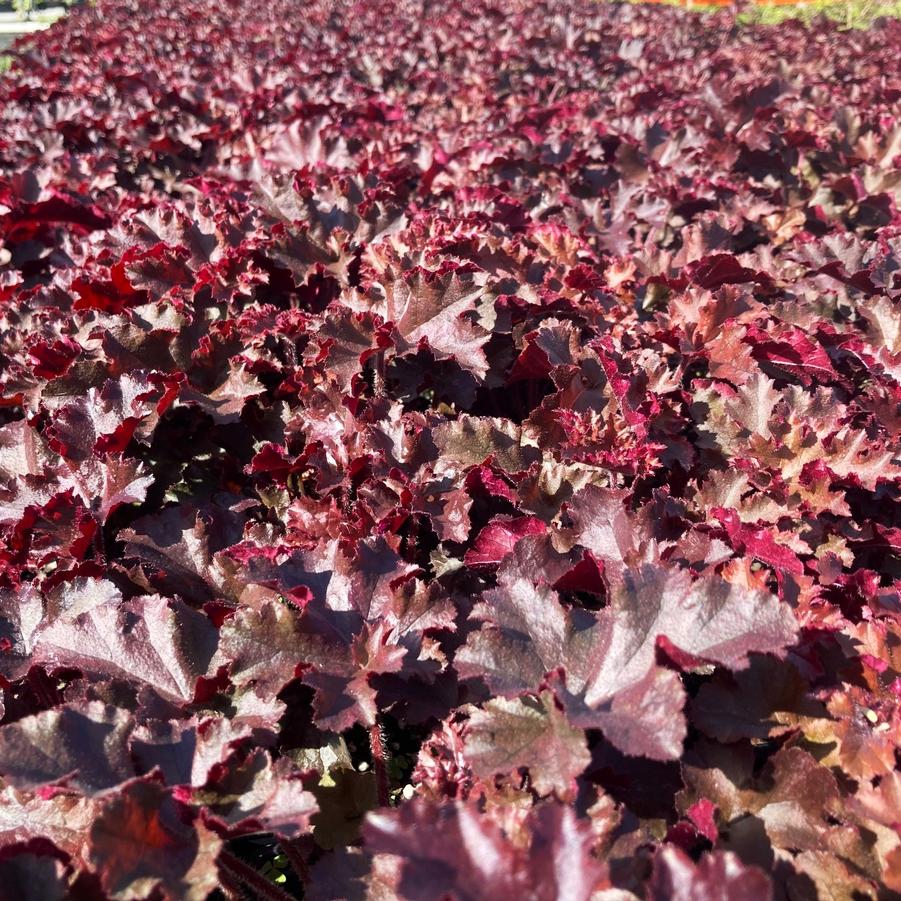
453 451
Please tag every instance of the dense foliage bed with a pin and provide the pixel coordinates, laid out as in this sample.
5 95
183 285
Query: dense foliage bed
454 444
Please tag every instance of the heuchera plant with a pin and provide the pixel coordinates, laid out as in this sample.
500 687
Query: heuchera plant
449 451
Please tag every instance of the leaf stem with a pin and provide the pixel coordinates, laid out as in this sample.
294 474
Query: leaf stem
99 543
412 537
378 375
231 886
251 878
379 763
292 851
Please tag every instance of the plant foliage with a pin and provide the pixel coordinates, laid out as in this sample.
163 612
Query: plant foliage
456 442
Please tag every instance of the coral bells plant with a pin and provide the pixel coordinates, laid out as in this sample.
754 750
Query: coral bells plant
449 451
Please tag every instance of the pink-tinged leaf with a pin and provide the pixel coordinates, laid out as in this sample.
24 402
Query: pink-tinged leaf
757 542
447 508
752 407
264 647
554 344
642 719
527 732
450 849
471 440
561 862
706 618
436 308
180 545
609 676
226 401
344 691
703 816
257 795
722 269
454 850
163 644
21 613
794 353
499 538
158 270
120 482
23 452
186 752
852 455
602 524
718 876
106 420
62 818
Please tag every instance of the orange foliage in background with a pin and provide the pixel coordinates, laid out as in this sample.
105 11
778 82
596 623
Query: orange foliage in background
690 3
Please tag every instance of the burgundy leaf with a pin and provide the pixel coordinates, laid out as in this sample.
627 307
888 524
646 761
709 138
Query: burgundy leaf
84 746
139 842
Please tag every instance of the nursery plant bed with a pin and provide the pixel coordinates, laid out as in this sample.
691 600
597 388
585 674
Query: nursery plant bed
12 24
449 451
